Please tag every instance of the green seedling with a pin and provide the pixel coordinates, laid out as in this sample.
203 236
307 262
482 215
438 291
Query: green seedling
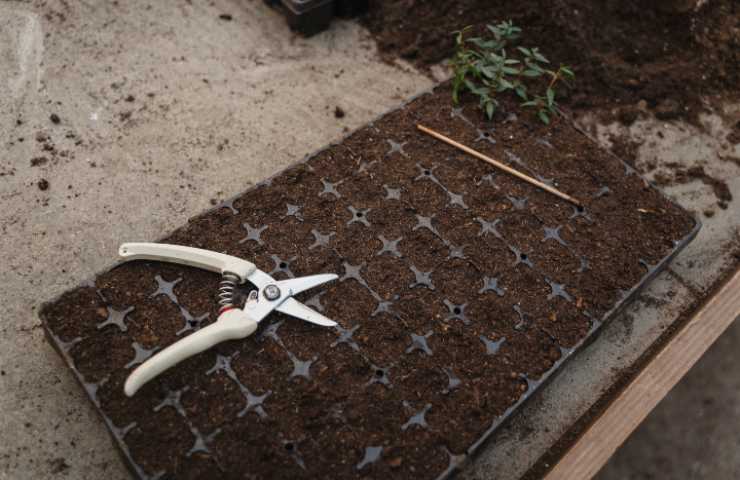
498 63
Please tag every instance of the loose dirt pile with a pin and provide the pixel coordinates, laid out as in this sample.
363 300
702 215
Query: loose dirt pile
627 54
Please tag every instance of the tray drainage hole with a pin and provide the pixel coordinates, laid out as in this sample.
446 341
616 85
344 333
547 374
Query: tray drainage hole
289 447
192 323
456 311
523 256
427 172
359 214
283 265
580 209
379 373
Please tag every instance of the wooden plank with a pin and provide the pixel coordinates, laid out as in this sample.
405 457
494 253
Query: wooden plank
637 400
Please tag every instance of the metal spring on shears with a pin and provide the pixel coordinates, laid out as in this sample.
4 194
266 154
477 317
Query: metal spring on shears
227 290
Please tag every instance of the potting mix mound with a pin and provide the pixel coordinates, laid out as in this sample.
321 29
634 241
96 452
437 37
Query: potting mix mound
629 55
461 289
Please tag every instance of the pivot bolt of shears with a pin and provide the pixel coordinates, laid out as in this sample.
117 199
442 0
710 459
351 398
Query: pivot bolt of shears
271 292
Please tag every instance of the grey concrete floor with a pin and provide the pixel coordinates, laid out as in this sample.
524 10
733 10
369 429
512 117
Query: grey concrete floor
163 109
694 433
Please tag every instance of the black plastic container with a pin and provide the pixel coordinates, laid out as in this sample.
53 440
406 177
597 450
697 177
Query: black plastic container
307 17
310 17
350 8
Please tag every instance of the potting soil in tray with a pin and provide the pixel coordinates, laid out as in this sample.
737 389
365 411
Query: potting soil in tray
461 289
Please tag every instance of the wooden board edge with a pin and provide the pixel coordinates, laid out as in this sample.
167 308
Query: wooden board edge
625 413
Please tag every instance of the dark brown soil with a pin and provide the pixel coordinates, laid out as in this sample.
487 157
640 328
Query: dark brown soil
460 288
623 51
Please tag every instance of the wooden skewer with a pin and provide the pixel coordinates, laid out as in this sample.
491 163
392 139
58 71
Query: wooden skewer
499 165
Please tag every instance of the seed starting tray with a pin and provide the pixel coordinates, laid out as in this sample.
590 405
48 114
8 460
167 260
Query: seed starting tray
461 291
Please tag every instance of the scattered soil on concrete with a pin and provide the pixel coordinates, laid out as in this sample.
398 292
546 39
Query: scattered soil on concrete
734 136
43 184
686 175
623 51
731 159
721 190
39 161
626 148
460 288
58 466
339 112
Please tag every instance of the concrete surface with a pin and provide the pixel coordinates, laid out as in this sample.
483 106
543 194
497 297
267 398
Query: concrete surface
231 103
693 434
216 106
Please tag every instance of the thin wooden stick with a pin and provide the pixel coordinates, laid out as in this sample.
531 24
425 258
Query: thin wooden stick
499 165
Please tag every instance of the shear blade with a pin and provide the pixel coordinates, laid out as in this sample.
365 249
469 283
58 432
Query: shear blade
301 284
294 308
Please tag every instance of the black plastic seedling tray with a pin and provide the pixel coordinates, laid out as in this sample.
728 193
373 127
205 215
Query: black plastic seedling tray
248 406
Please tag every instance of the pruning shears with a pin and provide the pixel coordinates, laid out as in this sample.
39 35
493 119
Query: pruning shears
233 322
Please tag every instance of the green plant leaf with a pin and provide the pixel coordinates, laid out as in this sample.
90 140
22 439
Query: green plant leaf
544 117
567 71
505 84
538 56
482 44
455 94
494 63
490 108
550 97
487 72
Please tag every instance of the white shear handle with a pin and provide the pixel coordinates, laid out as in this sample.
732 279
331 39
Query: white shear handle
231 325
194 257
